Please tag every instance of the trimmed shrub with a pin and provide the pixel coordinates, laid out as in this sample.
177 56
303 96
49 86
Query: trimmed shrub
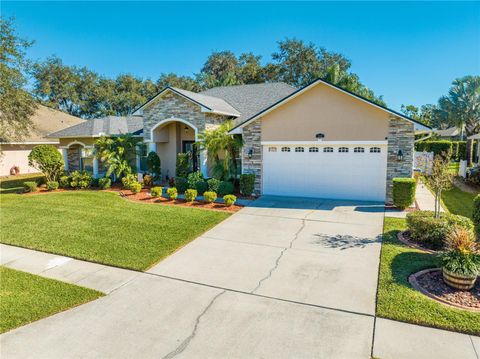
209 196
135 187
229 199
193 178
404 192
225 188
154 164
181 184
156 192
64 182
147 180
190 195
247 184
48 160
29 186
424 227
52 185
213 184
476 214
437 147
128 180
182 167
80 180
172 193
201 187
105 183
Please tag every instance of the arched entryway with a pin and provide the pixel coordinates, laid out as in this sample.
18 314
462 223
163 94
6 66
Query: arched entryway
171 137
78 157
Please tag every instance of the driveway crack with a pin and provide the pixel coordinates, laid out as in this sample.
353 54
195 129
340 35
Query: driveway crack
277 261
188 339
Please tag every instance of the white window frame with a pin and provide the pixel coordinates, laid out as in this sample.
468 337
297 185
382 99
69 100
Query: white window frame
313 149
343 149
272 149
375 150
328 149
359 150
285 149
299 149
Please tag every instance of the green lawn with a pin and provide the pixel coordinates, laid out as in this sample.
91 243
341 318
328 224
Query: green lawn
25 297
14 184
398 300
101 226
458 202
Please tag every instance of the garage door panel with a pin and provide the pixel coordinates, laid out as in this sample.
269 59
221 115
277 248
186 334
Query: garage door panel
350 175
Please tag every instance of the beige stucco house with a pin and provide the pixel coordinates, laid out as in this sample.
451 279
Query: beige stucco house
45 121
316 141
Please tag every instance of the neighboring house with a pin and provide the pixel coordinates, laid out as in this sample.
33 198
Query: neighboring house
317 141
45 121
451 133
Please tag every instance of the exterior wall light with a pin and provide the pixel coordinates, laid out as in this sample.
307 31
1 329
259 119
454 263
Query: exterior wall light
250 153
319 136
400 155
186 129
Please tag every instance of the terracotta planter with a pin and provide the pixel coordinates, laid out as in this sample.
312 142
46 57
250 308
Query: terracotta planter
458 281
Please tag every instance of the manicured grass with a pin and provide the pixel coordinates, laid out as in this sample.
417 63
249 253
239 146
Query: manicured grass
398 300
458 202
101 226
14 184
25 297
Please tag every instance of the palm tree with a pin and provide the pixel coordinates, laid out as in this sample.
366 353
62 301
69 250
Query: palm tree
115 152
223 149
461 108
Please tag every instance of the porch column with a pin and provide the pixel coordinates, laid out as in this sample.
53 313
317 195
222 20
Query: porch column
152 147
65 158
137 159
95 167
203 163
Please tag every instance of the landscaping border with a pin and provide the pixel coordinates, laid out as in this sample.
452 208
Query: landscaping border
410 244
412 278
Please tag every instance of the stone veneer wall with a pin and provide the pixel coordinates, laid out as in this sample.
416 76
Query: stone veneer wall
252 138
401 135
171 105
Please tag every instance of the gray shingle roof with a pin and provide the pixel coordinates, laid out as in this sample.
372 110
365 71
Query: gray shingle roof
216 104
110 125
251 99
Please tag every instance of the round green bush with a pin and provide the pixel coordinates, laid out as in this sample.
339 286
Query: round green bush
404 192
156 192
201 187
135 187
48 160
172 193
247 184
424 227
209 196
193 178
64 182
52 185
225 187
105 183
190 195
29 186
181 184
229 199
213 184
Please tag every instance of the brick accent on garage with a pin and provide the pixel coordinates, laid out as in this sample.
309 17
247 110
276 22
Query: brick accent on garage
252 138
400 137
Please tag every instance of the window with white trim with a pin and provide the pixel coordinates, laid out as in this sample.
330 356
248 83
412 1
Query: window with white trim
299 149
272 149
375 150
285 149
328 149
343 149
313 149
359 150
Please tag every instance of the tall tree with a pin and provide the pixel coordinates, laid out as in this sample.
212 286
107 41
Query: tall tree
183 82
425 114
16 105
461 108
250 70
220 69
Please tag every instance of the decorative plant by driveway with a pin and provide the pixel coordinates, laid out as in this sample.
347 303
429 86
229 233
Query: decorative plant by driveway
219 142
461 260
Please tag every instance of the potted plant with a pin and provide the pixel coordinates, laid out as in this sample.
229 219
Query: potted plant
461 259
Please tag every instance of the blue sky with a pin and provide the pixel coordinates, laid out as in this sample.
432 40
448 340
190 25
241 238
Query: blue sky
407 51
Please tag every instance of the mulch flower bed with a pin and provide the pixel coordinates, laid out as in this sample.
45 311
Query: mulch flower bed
144 197
405 238
430 282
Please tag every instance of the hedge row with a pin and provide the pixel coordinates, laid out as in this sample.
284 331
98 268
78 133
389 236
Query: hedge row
459 148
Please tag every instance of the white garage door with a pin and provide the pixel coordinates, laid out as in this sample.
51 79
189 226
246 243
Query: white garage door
337 171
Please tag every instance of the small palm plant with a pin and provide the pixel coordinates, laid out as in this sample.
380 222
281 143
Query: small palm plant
115 153
461 260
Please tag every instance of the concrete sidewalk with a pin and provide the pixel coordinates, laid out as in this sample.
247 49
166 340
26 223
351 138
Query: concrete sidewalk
91 275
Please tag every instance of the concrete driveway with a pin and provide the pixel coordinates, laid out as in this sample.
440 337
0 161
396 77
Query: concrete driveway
285 278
